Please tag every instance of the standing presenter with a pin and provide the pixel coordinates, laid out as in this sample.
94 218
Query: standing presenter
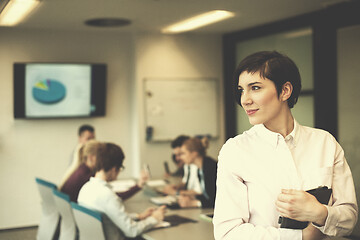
264 173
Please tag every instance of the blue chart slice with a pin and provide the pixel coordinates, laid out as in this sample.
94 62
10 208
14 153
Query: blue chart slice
48 91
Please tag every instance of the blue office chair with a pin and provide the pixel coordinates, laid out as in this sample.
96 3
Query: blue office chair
68 229
49 223
89 223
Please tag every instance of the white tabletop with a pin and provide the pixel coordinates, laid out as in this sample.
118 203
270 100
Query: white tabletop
202 229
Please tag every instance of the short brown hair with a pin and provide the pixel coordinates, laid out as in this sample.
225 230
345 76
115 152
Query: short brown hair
274 66
109 155
198 145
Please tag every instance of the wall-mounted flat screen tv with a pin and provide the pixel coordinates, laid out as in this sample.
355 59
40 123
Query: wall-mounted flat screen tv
59 90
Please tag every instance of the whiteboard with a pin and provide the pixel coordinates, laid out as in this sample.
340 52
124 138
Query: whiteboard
180 106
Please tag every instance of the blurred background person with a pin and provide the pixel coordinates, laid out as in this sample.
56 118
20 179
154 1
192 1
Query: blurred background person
86 170
175 146
85 133
97 194
193 151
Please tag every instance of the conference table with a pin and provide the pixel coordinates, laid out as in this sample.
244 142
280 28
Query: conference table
201 229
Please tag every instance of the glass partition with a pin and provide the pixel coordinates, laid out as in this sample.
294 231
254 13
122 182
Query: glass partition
348 52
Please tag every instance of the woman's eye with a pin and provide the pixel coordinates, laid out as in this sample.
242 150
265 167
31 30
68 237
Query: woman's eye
255 88
240 90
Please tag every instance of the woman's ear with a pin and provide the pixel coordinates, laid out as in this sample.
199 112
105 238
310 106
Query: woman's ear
286 91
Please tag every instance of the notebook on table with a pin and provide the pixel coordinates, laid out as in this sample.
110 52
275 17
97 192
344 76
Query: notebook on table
169 201
175 220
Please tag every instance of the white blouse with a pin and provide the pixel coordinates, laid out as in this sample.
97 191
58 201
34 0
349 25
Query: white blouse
191 174
97 194
253 168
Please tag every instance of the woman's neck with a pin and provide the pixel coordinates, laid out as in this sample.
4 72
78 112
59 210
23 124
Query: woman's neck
284 124
101 175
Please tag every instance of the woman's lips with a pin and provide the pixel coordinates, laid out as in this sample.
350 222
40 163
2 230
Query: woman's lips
251 112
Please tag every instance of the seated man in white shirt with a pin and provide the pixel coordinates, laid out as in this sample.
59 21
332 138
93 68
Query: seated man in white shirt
190 183
97 194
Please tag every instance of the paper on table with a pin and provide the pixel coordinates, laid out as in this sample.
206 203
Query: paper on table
122 185
156 183
167 200
162 224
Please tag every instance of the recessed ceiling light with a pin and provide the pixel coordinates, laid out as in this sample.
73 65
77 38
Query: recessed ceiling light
298 33
16 10
108 22
198 21
3 4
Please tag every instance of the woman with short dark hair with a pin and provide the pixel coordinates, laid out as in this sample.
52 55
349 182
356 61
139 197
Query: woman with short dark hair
265 172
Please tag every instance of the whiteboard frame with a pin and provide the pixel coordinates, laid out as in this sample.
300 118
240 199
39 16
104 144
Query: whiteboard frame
216 106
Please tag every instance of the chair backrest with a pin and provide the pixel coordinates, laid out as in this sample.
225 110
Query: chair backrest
67 225
89 223
48 227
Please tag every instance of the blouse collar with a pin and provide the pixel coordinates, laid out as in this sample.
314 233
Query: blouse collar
273 137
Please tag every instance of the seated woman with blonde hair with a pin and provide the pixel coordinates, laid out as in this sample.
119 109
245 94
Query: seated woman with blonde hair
85 170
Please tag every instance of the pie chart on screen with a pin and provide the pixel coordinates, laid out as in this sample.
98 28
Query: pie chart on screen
48 91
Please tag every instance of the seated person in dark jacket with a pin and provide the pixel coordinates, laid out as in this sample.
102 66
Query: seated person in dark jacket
82 174
193 151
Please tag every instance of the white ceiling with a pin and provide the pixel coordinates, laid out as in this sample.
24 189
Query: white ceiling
152 15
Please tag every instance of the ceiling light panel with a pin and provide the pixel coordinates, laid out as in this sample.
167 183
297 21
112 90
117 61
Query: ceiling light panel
198 21
16 10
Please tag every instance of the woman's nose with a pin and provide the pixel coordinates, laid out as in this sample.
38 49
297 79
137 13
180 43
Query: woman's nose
245 98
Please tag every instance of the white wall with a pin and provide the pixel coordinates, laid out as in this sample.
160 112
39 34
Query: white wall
41 148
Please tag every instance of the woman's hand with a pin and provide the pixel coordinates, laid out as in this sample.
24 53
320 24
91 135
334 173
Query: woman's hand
169 189
144 176
188 192
301 206
159 213
146 213
187 201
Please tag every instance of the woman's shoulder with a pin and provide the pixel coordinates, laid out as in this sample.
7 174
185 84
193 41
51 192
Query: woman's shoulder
97 184
240 139
99 191
234 153
310 132
236 146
